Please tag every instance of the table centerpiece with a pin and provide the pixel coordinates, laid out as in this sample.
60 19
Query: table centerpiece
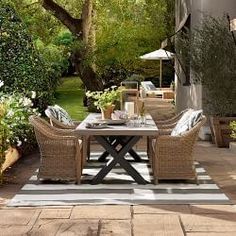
105 100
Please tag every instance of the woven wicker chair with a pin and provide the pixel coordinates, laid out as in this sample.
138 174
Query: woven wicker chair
172 156
170 123
60 152
58 124
164 128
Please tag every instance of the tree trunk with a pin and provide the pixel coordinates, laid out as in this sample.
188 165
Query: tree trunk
81 28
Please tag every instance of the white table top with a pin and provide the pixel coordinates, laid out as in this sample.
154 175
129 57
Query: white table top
150 129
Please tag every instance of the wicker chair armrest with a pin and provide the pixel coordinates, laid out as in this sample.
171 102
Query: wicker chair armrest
166 122
76 122
62 136
66 132
164 131
166 126
172 120
57 124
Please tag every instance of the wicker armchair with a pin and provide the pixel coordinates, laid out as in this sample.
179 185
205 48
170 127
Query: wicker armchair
172 156
60 152
58 124
164 128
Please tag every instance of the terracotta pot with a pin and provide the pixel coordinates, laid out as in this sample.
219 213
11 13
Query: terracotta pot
106 112
12 155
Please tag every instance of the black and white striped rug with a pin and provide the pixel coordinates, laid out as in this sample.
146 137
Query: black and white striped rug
119 188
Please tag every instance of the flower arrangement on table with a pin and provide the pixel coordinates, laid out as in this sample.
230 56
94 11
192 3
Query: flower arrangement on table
105 100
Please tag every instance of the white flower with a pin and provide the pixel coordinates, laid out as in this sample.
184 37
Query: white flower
19 143
27 102
114 86
10 113
33 94
1 83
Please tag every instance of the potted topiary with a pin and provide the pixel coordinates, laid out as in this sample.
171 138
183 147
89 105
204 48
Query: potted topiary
211 52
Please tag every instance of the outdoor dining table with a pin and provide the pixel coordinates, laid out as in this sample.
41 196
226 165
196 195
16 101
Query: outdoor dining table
121 135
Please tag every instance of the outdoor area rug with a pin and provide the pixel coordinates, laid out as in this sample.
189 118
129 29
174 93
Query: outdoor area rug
119 188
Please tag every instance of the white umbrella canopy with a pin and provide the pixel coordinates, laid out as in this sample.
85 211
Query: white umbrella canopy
159 54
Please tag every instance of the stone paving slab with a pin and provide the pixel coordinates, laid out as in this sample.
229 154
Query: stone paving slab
211 234
14 230
101 212
55 213
66 227
161 209
158 225
213 209
115 228
18 216
209 223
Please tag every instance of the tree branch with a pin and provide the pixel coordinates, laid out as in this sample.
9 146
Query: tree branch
73 24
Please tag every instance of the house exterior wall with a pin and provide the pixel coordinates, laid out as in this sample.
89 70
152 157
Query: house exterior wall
192 95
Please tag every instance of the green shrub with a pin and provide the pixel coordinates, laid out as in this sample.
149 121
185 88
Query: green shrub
15 130
233 128
21 67
53 57
210 50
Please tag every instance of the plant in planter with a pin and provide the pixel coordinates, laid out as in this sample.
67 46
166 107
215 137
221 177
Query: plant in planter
212 55
15 129
233 128
105 100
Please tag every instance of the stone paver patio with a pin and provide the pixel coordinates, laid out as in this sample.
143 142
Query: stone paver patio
190 220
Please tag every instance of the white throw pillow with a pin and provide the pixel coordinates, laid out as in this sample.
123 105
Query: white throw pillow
63 116
195 117
183 124
60 114
188 122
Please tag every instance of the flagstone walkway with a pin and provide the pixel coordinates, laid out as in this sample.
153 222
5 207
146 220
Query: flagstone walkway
125 220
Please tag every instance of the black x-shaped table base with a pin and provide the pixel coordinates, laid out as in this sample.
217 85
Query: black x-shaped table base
115 141
118 157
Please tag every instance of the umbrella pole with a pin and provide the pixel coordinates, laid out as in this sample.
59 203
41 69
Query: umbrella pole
160 73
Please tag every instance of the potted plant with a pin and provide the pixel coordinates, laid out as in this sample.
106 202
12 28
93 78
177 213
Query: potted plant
211 53
105 100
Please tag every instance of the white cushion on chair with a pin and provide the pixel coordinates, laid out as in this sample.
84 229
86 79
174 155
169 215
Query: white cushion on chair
187 121
60 114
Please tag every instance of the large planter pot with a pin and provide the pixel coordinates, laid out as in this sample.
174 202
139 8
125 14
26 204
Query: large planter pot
221 131
106 112
12 155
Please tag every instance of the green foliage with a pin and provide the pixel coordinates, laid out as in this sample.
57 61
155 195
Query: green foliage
70 95
212 53
15 130
233 128
124 31
21 67
54 58
106 98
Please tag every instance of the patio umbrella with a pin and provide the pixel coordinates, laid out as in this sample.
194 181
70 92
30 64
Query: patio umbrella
159 54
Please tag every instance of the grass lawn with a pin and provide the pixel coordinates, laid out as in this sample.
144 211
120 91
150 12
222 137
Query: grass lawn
69 95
